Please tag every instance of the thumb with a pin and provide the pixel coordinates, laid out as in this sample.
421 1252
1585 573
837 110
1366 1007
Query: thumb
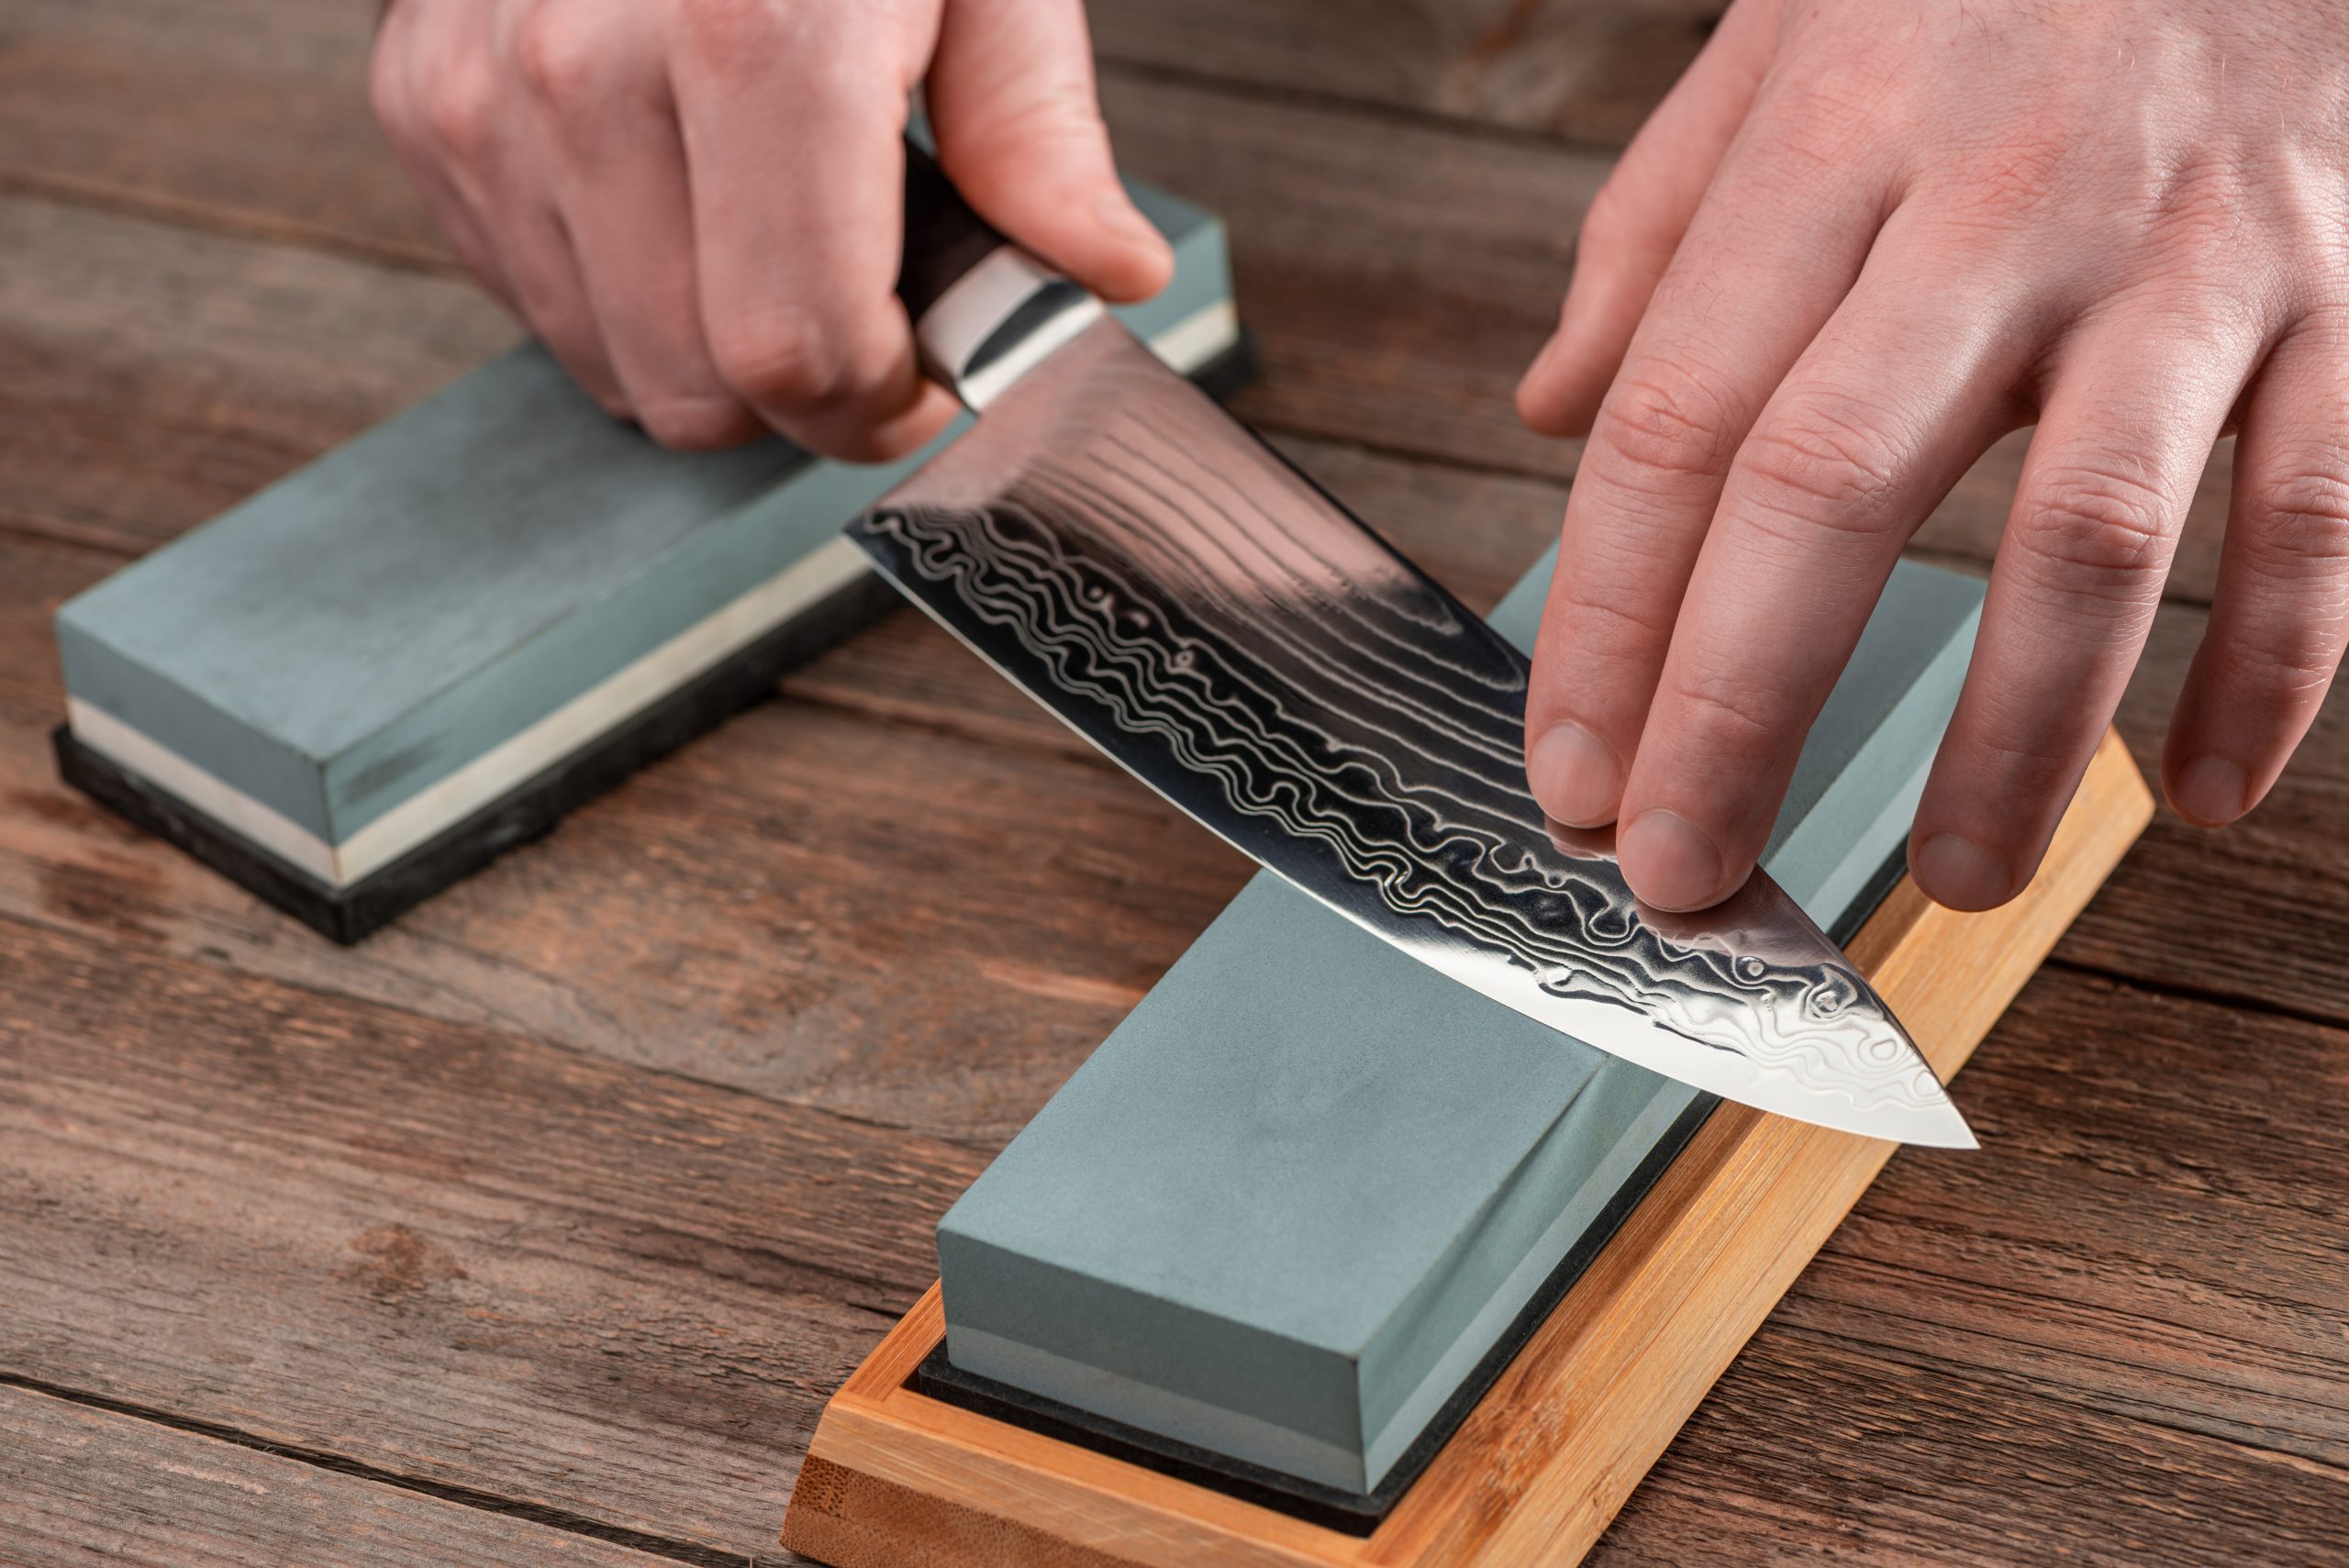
1011 97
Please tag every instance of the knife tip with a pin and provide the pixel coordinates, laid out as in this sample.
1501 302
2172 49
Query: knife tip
1940 1125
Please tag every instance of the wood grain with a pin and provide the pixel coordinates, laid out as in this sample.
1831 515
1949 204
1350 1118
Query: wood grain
1553 1449
161 374
452 1254
1582 70
2115 1338
80 1486
1815 1446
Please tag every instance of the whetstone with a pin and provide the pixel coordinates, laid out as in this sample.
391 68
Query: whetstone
1556 1444
427 646
1286 1212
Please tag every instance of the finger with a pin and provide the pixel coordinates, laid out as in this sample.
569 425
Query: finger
1906 385
419 123
541 265
1019 131
619 165
487 156
1637 219
1769 256
2280 617
2137 401
797 218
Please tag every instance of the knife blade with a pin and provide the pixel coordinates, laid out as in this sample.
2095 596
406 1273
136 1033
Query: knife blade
1171 589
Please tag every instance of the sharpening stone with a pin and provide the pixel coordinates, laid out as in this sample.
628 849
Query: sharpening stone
1292 1217
426 647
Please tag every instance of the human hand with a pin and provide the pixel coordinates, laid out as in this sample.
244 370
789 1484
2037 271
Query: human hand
695 202
1859 242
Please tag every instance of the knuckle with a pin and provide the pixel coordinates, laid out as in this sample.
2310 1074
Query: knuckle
2018 176
692 423
1825 466
1051 119
1809 116
1613 624
460 111
2287 656
1663 420
558 57
2199 201
785 361
721 27
2098 532
1739 709
2300 521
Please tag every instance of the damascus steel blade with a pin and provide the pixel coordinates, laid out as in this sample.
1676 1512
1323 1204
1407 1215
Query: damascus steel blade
1135 559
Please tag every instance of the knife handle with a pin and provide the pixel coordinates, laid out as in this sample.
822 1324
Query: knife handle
984 310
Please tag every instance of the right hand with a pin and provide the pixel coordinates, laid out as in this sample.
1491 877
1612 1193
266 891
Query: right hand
694 203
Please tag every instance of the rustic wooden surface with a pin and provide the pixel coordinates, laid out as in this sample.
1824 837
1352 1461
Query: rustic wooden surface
541 1226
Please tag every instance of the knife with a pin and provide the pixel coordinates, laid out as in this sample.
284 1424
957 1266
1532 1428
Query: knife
1171 589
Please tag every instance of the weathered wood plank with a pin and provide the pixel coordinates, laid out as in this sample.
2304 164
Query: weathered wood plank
248 113
80 1486
158 374
1816 1447
2150 1223
286 1213
451 1253
1584 69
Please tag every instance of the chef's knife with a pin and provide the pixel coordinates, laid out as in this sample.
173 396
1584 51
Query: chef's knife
1171 589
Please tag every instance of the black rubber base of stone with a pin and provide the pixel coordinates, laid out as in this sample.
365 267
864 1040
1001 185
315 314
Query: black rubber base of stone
1355 1513
531 808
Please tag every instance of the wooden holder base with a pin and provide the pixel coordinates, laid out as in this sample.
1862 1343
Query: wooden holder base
897 1480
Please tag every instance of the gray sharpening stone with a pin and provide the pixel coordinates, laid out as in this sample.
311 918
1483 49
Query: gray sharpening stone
426 645
1299 1198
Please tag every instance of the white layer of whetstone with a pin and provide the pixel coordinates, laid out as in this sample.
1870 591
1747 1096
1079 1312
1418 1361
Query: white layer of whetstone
596 712
1296 1197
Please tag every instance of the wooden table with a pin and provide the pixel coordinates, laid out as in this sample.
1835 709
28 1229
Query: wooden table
539 1228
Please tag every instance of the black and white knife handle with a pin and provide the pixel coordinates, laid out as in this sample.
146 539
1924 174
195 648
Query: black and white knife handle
984 310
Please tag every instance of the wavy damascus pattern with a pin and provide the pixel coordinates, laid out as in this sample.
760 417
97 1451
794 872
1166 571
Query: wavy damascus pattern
1121 548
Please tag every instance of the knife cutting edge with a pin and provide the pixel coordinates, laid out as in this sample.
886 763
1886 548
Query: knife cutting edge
1171 588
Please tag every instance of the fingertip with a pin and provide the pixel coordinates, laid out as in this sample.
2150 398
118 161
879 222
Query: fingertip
1134 261
1575 776
1558 395
1672 865
2209 791
1959 874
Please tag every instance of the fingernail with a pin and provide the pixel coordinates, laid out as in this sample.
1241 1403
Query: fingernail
1574 775
1671 863
2209 791
1961 873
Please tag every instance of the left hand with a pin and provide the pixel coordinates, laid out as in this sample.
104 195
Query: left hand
1860 242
